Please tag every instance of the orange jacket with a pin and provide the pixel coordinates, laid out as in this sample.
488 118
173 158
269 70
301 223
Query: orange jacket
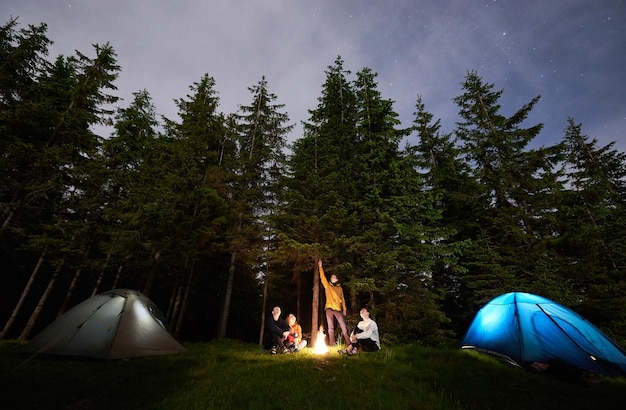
334 294
296 328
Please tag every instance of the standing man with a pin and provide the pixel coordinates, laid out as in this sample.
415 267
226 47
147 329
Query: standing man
335 305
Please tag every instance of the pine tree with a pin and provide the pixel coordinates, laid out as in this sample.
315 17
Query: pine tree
194 211
132 172
592 228
447 179
25 184
513 196
319 176
56 147
394 243
362 205
260 131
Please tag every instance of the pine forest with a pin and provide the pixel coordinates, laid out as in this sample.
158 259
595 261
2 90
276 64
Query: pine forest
218 217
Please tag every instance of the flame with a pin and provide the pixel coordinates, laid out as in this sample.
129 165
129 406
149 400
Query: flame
320 342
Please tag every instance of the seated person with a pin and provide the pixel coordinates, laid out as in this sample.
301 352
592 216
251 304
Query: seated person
294 340
276 332
365 335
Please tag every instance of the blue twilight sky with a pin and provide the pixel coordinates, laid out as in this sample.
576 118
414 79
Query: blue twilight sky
571 52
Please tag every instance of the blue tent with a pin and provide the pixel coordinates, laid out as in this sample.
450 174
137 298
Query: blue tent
525 328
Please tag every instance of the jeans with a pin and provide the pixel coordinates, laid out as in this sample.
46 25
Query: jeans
330 316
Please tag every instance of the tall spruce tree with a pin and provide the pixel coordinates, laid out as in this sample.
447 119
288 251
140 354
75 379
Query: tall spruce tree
513 196
446 177
22 64
260 131
25 193
394 243
55 147
357 200
78 88
196 182
592 229
320 175
132 171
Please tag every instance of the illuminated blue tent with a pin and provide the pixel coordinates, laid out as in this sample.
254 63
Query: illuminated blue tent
524 329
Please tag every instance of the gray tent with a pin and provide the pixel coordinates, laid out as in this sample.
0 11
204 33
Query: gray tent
116 324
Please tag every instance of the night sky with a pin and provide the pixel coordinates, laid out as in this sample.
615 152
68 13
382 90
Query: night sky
571 52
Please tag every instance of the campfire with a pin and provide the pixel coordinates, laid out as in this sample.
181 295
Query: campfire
320 342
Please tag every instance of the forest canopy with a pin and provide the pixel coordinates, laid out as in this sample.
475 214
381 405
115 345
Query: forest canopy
217 217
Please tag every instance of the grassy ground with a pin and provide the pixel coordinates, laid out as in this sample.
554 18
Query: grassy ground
234 375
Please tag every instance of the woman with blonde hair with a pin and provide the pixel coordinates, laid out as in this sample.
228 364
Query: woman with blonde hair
295 341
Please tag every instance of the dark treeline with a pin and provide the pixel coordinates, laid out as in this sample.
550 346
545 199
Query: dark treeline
216 218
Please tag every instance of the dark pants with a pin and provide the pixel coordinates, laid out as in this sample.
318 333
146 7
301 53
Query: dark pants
330 316
270 340
365 345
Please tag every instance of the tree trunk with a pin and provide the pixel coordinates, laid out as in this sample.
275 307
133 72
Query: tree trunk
100 276
298 293
10 213
33 317
353 302
117 277
264 304
315 303
221 333
25 293
72 287
174 303
183 304
7 220
147 288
